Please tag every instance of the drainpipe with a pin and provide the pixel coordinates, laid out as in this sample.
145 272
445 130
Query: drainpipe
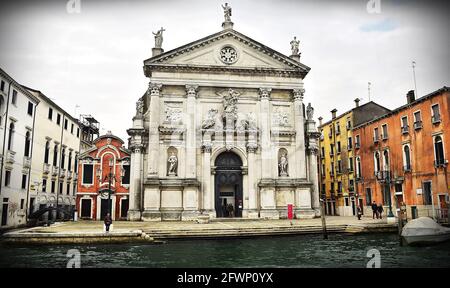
4 135
31 157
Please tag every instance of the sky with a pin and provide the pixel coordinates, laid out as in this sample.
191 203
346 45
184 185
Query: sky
91 62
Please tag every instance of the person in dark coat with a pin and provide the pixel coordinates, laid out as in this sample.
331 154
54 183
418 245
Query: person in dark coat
359 212
108 222
230 210
374 210
380 210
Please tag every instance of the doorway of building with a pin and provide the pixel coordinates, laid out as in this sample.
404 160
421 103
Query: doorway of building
104 208
5 214
228 185
86 208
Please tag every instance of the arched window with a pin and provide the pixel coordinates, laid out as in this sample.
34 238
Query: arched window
406 158
63 158
377 161
11 136
27 144
47 152
439 151
69 164
358 167
386 160
55 156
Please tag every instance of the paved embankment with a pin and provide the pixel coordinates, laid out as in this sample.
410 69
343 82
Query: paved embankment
84 232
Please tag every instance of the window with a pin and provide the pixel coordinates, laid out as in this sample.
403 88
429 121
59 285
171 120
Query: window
377 161
349 143
339 167
71 128
368 196
75 168
427 200
398 188
27 144
53 186
349 124
2 86
323 170
46 152
386 160
331 149
58 119
14 97
338 147
24 181
63 158
351 185
7 178
88 174
323 152
66 122
357 141
385 131
44 185
405 126
74 189
339 187
55 156
22 203
30 108
50 113
11 136
331 131
69 164
78 132
406 158
358 167
332 169
346 202
438 152
436 117
376 136
126 178
68 189
417 120
338 129
350 164
60 187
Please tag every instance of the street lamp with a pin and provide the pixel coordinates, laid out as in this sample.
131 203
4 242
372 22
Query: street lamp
110 177
385 178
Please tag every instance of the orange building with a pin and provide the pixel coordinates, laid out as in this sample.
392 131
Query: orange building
104 168
403 155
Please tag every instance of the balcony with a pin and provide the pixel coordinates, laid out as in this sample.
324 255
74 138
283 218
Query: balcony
440 163
45 168
26 162
435 119
407 168
349 147
417 125
384 137
62 173
376 139
10 157
405 129
55 171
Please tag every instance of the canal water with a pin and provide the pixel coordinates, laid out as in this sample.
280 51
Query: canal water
340 250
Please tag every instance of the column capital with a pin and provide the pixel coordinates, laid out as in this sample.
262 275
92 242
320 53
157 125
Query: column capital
264 93
252 147
297 94
154 89
191 90
206 147
137 148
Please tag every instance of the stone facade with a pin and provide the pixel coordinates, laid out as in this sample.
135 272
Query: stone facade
223 122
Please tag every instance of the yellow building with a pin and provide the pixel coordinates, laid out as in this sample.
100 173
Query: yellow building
336 165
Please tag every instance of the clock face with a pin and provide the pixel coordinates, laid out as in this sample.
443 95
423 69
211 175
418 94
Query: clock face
228 55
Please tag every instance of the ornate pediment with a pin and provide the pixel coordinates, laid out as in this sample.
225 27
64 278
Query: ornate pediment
229 50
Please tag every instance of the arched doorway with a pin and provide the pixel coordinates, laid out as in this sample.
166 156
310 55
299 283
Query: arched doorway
228 185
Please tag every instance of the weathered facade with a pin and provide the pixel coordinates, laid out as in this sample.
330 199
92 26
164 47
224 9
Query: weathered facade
223 124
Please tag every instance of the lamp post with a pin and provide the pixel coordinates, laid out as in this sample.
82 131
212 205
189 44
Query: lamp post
110 177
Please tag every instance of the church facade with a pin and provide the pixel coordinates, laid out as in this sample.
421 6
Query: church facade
223 131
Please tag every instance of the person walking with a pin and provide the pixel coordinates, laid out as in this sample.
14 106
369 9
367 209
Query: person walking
359 212
108 222
380 210
374 210
230 210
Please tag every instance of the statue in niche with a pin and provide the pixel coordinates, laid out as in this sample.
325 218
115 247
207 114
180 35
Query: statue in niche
294 46
159 37
210 120
227 12
229 104
310 112
172 164
283 165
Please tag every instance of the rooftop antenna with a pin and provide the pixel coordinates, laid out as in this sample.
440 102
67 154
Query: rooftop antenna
368 89
414 76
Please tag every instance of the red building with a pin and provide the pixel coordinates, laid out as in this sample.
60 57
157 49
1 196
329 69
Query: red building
403 155
103 169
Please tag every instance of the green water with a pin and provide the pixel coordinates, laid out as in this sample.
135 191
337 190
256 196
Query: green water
340 250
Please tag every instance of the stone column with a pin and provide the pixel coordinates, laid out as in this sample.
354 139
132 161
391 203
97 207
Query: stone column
134 212
208 190
191 157
153 147
252 146
300 158
266 153
313 150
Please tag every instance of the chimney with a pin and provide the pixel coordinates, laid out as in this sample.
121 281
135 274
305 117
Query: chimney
333 113
320 121
357 102
410 97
